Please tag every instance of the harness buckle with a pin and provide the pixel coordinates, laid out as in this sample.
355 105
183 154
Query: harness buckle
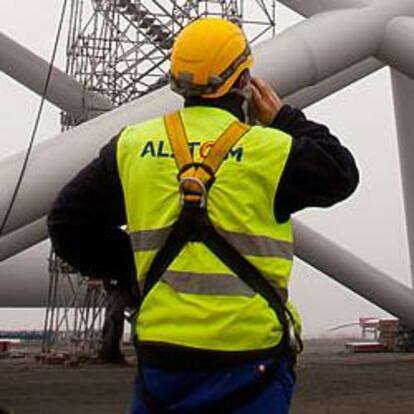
190 195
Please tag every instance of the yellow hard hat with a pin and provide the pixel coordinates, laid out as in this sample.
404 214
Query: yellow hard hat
207 57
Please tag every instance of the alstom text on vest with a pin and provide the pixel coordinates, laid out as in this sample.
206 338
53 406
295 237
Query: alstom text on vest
159 149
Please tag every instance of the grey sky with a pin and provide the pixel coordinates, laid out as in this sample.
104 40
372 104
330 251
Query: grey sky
370 224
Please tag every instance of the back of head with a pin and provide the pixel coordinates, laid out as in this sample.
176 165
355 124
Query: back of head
208 57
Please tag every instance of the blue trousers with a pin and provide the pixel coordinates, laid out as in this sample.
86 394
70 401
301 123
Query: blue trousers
183 392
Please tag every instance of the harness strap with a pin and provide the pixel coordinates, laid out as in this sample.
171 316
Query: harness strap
224 144
220 149
178 139
248 273
185 228
191 173
175 242
195 225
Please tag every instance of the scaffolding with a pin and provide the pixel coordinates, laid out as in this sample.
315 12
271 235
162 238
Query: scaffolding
121 49
74 312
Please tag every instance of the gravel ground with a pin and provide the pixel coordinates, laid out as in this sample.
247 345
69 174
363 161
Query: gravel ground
330 380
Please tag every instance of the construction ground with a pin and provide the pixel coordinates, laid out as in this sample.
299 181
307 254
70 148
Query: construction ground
330 380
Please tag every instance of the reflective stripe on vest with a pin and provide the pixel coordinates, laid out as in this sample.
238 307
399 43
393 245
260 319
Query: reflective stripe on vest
145 240
187 282
207 284
199 302
225 284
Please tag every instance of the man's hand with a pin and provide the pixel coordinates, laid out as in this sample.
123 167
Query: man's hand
265 102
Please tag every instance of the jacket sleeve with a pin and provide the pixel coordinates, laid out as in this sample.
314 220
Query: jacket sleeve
319 171
85 222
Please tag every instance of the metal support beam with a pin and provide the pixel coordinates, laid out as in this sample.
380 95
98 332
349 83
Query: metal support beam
354 273
397 47
23 238
65 92
24 283
403 91
308 52
308 8
310 246
328 86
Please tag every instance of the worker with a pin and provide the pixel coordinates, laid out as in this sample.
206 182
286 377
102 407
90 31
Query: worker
207 194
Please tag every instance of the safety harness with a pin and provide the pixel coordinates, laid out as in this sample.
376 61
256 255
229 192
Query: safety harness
193 225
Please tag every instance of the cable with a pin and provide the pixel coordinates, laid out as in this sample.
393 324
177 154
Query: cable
36 125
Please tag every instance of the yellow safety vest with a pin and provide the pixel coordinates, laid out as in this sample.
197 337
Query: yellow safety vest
198 302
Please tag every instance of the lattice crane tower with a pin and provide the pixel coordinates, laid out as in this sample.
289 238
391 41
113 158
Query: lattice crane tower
121 48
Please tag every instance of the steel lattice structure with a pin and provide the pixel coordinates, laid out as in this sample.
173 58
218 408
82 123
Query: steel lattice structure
121 48
74 312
